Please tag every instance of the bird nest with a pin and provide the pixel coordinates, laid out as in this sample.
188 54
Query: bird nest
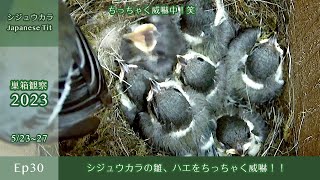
114 136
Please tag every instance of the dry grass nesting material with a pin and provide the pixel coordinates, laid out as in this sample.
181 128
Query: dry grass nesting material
114 136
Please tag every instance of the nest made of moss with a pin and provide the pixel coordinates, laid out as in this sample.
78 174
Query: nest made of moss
114 136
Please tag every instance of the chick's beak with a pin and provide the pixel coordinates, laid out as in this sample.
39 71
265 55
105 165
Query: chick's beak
273 39
144 37
155 85
182 60
232 152
155 88
239 150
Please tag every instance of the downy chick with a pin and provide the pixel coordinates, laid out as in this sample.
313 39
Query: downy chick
178 121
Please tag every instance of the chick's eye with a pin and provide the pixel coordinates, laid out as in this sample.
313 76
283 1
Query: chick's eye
177 90
200 59
248 135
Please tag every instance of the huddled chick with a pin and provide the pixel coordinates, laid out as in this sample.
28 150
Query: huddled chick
197 71
186 85
214 29
178 120
254 71
154 46
240 132
135 81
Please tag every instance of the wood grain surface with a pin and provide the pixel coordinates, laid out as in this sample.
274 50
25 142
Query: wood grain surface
305 49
